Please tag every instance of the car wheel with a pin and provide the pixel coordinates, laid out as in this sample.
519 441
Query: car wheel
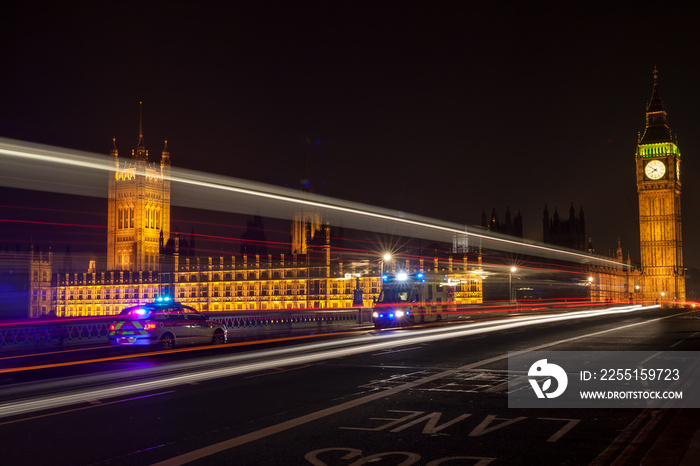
218 338
166 342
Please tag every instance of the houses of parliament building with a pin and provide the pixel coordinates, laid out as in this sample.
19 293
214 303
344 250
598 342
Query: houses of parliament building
145 260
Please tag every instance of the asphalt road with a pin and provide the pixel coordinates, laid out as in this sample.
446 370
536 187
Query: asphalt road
381 398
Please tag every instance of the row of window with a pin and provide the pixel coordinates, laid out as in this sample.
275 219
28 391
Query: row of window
125 217
152 217
255 274
658 149
97 310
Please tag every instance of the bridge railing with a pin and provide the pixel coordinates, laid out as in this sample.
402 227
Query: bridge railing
95 330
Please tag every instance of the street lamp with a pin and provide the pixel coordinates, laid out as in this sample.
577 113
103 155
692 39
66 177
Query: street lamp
385 258
510 282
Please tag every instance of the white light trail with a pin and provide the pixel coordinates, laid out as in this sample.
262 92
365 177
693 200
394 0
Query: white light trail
310 353
39 167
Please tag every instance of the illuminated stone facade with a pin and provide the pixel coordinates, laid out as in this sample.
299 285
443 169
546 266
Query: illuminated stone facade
145 261
233 283
41 290
658 163
139 209
615 283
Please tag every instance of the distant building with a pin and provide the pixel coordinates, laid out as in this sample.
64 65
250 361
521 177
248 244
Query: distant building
512 227
566 233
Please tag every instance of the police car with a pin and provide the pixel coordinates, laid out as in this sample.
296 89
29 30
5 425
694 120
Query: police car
164 323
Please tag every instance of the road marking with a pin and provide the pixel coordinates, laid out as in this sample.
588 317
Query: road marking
623 446
561 432
392 350
409 458
292 423
681 341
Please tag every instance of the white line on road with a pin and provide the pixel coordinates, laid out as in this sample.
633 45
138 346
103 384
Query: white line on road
283 426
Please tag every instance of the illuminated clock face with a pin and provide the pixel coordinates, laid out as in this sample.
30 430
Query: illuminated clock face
655 169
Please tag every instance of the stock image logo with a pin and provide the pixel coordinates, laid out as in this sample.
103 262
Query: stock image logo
544 373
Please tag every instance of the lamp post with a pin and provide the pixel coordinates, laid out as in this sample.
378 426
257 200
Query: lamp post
385 258
510 282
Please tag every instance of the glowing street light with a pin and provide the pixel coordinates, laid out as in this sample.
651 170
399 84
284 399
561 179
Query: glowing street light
510 282
385 258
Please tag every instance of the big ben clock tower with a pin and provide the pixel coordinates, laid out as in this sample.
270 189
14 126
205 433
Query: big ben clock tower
658 163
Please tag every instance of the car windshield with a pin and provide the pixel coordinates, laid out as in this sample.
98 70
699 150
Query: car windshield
393 295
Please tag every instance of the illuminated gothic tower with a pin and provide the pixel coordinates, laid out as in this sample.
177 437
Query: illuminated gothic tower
139 209
659 188
307 220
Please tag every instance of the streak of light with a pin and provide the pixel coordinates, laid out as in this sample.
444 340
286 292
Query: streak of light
233 364
6 220
83 408
51 353
35 166
154 353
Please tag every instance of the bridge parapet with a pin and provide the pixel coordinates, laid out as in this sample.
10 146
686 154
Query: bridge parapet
73 332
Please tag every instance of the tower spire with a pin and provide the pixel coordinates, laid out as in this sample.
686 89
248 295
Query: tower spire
140 153
165 155
657 129
140 144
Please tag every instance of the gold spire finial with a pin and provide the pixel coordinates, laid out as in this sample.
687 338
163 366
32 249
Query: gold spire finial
656 74
140 153
140 123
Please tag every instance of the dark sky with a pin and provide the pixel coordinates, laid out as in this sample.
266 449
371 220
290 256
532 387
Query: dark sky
442 109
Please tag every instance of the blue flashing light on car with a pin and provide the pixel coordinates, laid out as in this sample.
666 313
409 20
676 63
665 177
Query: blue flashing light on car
385 277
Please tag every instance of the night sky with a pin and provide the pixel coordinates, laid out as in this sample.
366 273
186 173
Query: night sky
443 109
